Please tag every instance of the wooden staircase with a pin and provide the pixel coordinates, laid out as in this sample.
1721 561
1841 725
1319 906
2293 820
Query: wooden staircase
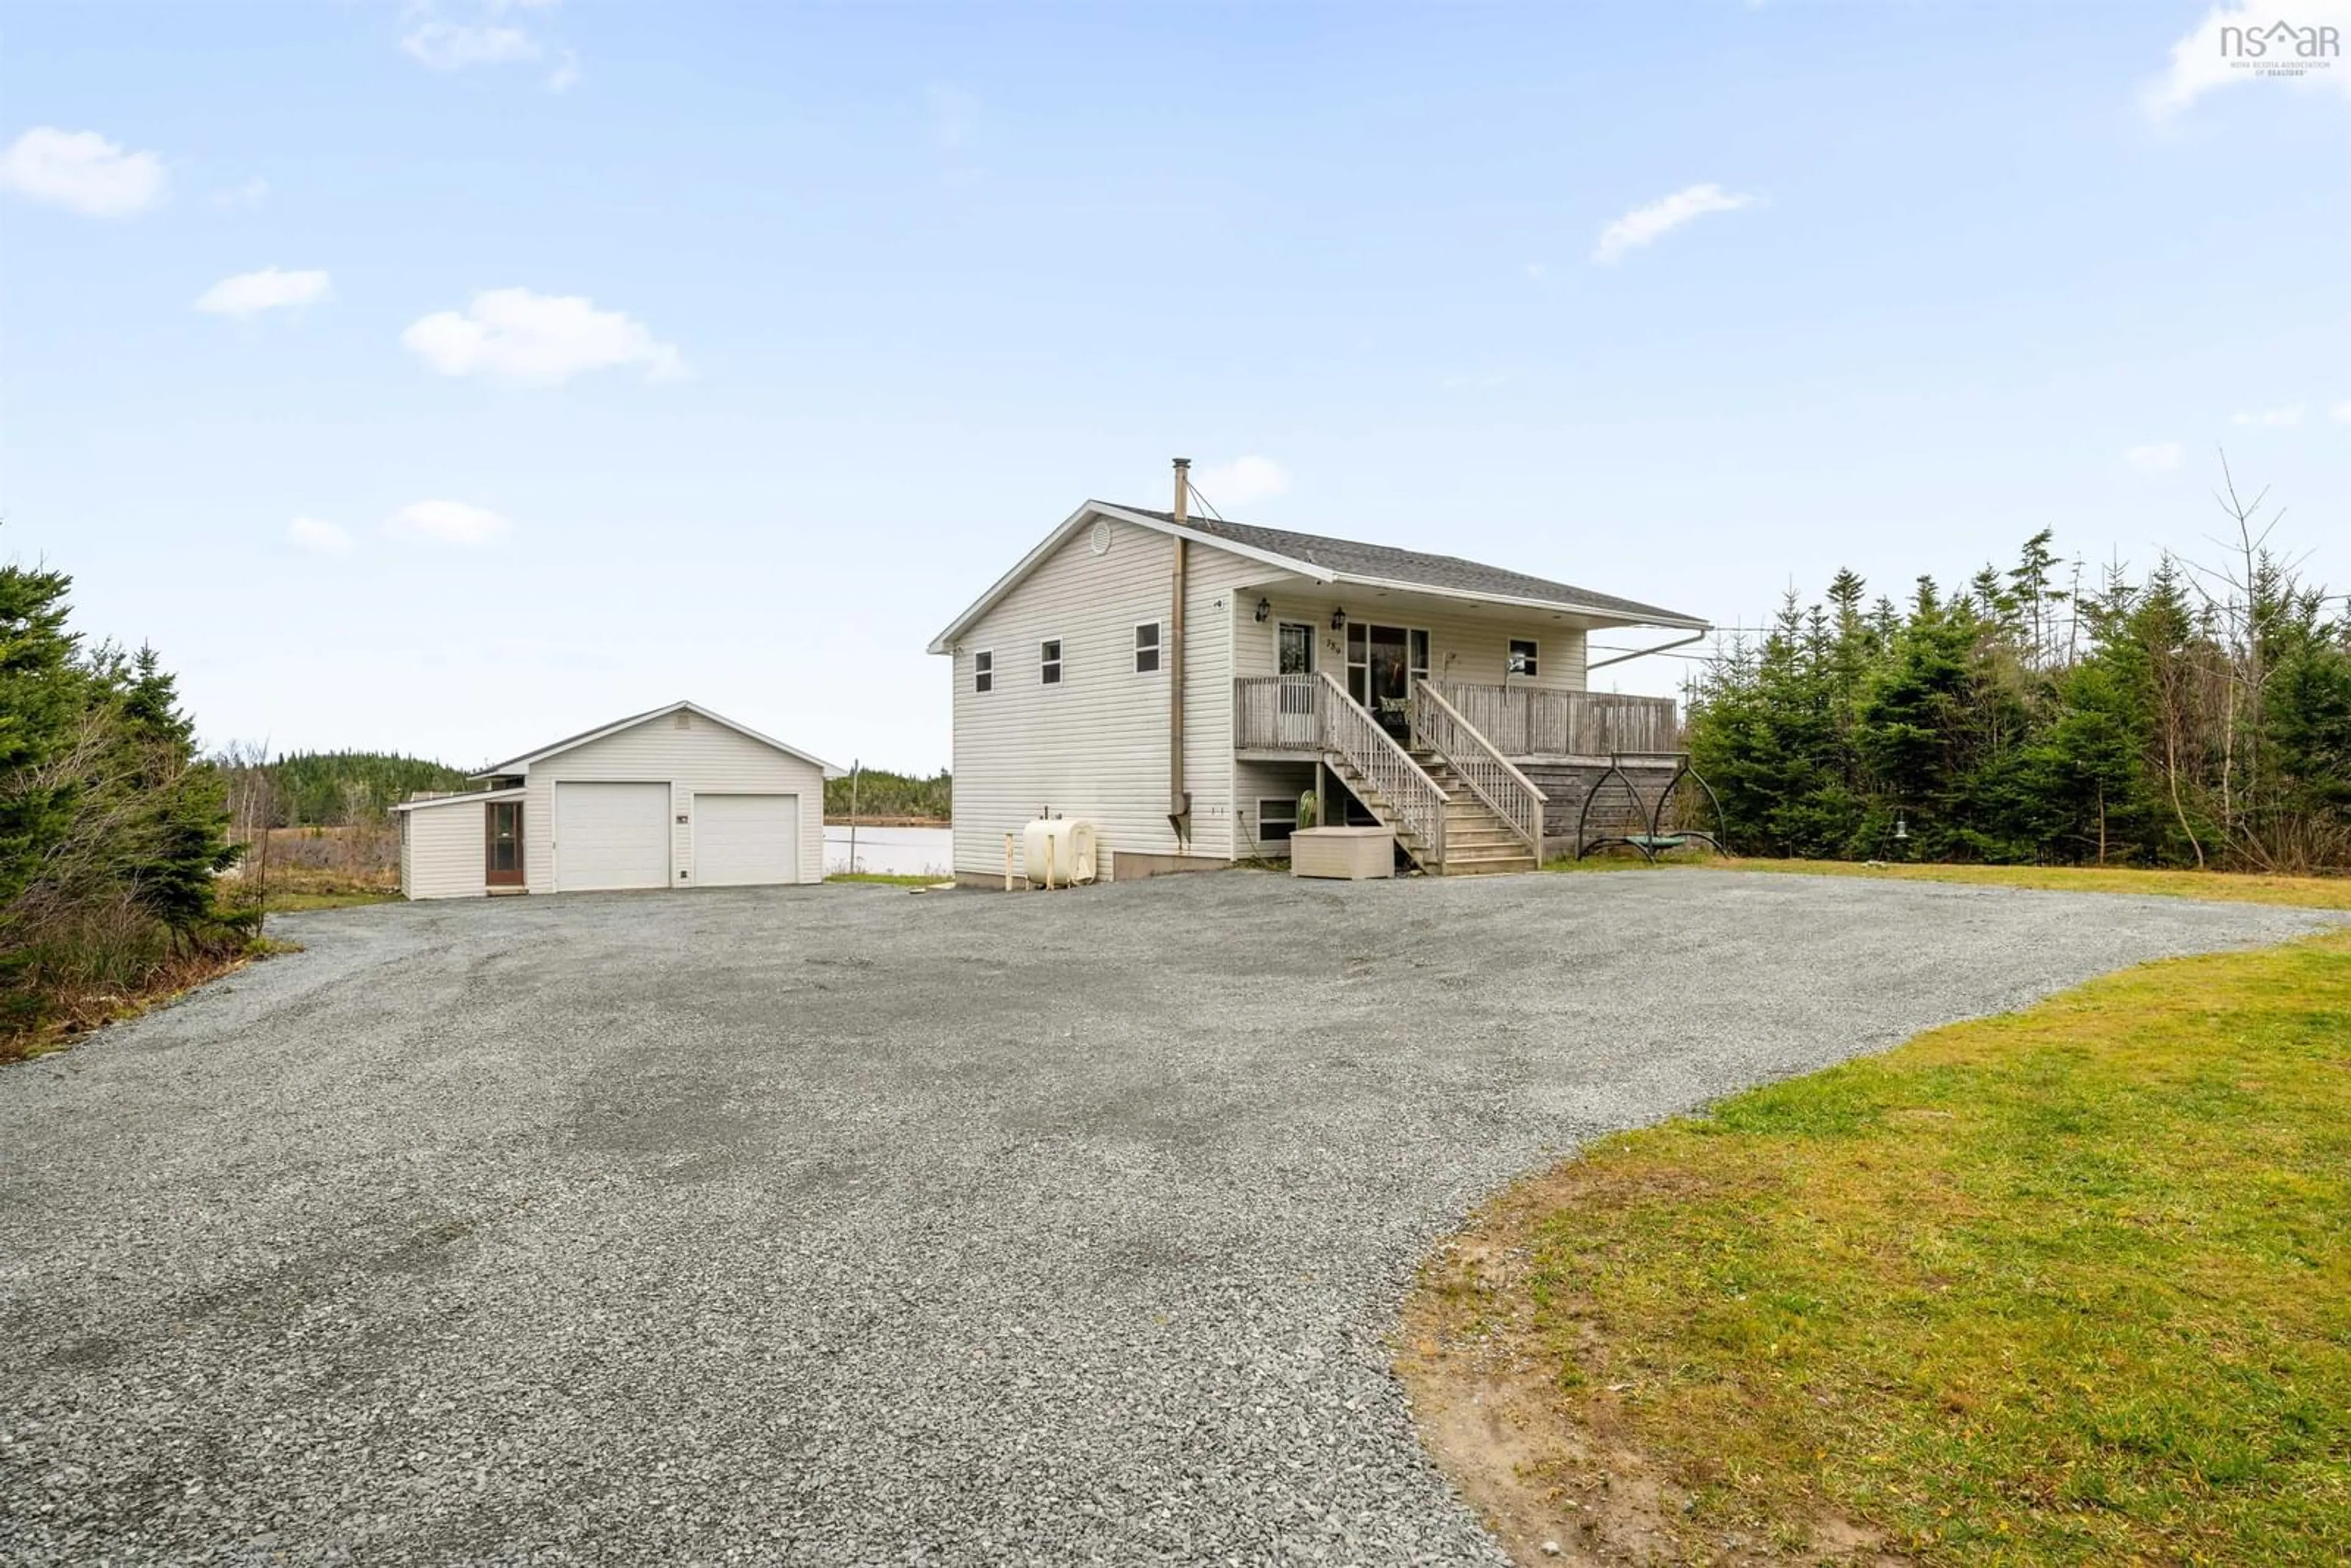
1477 840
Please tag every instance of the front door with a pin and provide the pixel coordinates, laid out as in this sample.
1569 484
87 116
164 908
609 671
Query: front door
502 846
1382 663
1389 685
1294 657
1296 654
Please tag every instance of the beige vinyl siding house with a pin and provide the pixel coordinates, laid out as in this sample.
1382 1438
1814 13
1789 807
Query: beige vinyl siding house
1052 715
1093 743
443 849
680 798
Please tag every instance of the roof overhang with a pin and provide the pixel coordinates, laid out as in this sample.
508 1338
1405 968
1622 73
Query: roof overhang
471 797
945 640
1597 614
570 743
1293 566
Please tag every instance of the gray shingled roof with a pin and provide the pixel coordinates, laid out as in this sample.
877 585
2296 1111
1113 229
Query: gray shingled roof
496 769
1419 570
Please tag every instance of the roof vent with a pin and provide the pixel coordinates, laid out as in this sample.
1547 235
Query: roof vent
684 720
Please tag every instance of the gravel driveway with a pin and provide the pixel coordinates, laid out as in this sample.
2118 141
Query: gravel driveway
833 1225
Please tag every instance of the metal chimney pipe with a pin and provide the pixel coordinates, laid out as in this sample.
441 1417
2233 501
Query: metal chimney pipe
1179 800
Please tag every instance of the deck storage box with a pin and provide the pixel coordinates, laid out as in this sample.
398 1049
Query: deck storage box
1352 854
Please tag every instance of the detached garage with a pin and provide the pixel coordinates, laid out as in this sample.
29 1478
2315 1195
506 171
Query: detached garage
680 797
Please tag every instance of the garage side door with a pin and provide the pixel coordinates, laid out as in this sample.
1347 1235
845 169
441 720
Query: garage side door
745 840
611 835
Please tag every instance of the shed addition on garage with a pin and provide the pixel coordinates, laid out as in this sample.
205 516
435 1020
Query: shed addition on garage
680 797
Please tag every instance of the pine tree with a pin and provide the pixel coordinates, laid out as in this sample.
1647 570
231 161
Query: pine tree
183 843
2143 726
111 830
2309 725
41 696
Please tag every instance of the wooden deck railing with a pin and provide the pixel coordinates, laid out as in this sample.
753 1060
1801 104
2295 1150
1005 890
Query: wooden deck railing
1527 721
1282 713
1507 792
1386 766
1277 713
1314 717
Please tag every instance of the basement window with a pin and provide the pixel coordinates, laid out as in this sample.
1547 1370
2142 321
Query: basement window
1523 656
1049 662
1146 648
983 672
1277 820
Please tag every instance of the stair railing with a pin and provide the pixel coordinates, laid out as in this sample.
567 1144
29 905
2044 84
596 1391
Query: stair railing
1507 792
1386 767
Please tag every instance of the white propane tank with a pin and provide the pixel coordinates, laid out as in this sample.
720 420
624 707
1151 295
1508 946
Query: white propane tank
1070 844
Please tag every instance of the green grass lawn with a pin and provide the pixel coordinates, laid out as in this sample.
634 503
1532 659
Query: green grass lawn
2070 1285
2306 891
887 878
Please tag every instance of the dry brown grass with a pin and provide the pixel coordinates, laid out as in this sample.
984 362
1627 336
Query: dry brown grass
76 1011
318 867
2226 886
2229 886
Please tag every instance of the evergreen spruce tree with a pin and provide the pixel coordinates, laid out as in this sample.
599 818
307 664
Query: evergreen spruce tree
42 694
110 828
183 840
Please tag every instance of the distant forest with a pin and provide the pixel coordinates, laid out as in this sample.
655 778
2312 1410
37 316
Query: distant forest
338 789
329 789
882 793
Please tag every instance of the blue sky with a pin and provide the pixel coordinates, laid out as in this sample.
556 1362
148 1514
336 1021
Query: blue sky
728 352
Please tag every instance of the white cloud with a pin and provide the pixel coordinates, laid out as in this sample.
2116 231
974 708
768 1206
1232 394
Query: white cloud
319 537
450 522
482 33
2220 51
527 338
2156 457
250 293
2341 412
83 171
1243 480
444 46
250 194
1643 224
2273 418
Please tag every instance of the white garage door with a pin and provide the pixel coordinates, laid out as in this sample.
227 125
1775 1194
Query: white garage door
743 840
611 835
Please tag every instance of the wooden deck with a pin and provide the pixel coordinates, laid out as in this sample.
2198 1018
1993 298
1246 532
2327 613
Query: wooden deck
1517 784
1276 717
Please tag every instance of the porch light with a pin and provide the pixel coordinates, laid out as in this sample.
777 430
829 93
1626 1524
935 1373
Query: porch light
1338 618
1901 828
1264 609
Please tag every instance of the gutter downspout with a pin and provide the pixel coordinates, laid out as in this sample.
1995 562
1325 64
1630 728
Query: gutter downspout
1644 652
1179 800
